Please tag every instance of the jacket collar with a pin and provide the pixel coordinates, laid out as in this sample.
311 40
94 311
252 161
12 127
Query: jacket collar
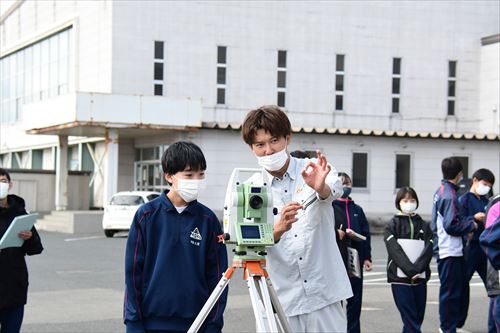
170 206
446 181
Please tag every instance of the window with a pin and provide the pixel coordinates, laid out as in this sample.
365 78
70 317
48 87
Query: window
396 84
159 50
221 74
158 71
158 90
159 63
360 170
281 80
36 72
452 81
403 170
37 159
339 82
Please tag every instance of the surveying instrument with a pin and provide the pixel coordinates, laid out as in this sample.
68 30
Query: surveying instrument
248 223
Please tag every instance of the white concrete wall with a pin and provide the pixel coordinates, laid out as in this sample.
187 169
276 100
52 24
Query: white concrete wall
489 88
426 35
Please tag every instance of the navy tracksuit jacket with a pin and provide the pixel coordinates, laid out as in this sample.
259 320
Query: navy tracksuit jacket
349 215
173 261
475 259
449 227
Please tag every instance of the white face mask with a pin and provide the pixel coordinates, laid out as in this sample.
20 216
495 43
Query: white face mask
4 189
273 162
482 189
408 207
189 189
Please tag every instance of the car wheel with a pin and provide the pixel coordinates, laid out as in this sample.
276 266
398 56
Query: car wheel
109 233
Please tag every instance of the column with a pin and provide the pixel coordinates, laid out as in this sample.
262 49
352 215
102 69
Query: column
111 165
62 173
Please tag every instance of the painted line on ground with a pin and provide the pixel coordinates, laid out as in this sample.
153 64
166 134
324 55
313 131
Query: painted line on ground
82 238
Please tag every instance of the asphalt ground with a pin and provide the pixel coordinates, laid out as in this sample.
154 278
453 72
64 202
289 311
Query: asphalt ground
77 283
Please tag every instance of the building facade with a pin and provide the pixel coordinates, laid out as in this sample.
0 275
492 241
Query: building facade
385 89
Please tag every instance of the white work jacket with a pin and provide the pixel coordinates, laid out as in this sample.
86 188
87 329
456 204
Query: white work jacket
305 266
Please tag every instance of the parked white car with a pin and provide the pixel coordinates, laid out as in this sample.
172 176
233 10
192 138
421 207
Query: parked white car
119 213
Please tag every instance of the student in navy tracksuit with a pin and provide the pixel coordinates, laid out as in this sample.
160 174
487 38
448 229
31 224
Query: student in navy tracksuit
472 203
410 291
175 255
490 243
449 226
348 215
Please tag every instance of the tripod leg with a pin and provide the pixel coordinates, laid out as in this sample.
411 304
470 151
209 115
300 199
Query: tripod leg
271 319
277 306
258 308
209 304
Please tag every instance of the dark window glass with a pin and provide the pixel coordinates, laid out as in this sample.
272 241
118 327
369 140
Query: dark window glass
221 75
339 102
126 200
339 82
395 85
464 160
158 71
396 66
281 98
452 69
359 169
221 54
451 88
158 50
340 63
402 170
221 96
37 159
282 59
281 79
451 108
395 105
158 89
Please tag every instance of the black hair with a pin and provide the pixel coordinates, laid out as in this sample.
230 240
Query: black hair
345 175
299 154
403 191
181 155
451 167
484 174
4 172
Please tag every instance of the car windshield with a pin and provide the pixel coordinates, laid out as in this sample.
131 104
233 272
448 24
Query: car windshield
126 200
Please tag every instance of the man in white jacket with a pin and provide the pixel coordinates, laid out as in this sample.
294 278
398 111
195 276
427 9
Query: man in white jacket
305 265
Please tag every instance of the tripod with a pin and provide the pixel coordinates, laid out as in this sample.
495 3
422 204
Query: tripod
262 295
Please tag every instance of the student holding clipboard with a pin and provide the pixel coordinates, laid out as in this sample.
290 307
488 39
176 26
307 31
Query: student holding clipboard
13 269
408 239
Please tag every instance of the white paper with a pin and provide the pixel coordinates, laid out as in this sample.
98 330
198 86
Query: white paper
413 249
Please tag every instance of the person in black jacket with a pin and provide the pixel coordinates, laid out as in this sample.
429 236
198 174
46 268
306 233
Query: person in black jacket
13 270
408 279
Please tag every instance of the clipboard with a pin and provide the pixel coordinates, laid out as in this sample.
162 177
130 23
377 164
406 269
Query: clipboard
353 265
413 249
18 224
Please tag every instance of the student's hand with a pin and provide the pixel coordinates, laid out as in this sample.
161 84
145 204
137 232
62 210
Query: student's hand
25 235
367 264
287 218
479 217
341 234
314 175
